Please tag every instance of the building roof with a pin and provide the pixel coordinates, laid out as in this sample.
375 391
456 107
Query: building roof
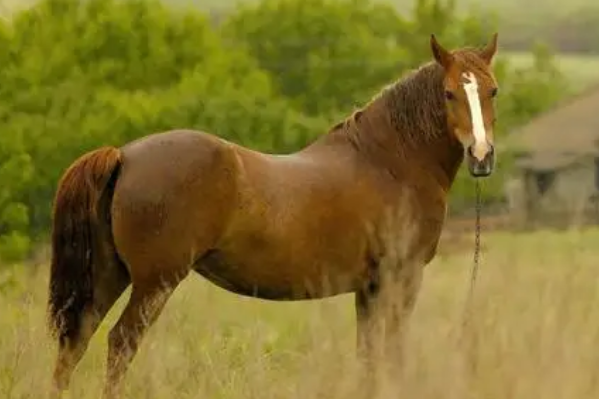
559 136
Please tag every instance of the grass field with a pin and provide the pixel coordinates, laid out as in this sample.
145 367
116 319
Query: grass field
535 325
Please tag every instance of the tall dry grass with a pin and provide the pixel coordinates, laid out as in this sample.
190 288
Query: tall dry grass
534 335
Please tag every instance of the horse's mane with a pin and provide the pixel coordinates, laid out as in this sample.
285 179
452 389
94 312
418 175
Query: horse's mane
413 107
415 104
409 112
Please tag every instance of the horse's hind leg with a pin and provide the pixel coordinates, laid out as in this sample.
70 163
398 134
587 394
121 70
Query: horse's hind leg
148 298
112 280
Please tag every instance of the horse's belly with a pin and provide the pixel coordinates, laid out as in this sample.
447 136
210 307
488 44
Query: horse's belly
259 276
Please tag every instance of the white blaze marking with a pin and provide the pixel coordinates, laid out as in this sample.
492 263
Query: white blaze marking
481 147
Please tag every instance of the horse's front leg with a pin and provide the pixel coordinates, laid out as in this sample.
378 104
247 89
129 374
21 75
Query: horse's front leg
398 299
369 329
366 324
382 313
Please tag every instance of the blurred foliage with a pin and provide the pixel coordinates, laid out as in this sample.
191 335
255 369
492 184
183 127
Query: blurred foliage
567 27
324 55
274 75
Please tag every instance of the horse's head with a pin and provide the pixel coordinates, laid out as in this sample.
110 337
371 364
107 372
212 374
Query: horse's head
470 89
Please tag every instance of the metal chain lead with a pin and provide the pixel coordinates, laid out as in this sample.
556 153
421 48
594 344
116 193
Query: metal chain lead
470 335
477 228
476 260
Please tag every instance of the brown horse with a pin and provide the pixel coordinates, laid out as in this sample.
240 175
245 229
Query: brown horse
360 210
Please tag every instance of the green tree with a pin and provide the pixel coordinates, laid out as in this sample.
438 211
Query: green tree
325 55
15 173
83 74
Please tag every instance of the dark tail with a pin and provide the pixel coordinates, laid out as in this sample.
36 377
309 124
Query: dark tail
74 231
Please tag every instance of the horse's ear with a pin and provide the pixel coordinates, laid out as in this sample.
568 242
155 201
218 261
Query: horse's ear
442 56
489 51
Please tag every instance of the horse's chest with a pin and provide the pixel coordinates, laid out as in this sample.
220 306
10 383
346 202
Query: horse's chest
411 230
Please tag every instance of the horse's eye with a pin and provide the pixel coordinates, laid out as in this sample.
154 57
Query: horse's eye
449 95
493 92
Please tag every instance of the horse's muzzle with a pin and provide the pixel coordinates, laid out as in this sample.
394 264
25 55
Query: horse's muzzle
481 167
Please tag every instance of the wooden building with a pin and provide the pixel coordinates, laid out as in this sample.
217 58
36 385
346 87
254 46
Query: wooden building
556 179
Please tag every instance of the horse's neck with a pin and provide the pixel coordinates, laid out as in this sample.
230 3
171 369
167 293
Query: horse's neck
448 154
400 152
